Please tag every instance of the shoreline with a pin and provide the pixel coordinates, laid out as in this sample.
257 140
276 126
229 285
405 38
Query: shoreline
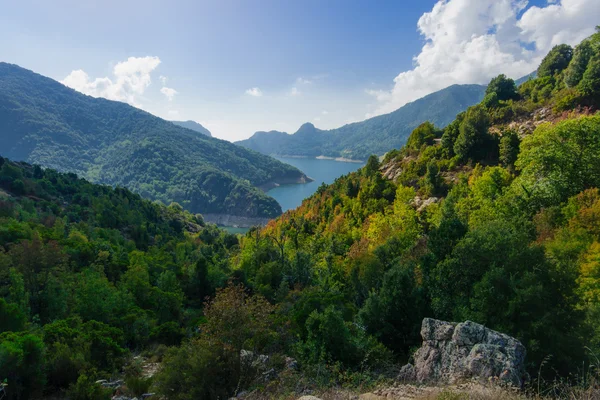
340 159
322 157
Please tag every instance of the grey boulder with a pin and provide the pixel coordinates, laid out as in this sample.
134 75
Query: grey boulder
455 352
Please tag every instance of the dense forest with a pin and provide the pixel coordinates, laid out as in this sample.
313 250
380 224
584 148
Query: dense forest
494 218
108 142
376 135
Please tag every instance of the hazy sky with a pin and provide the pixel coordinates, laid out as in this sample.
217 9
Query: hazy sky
242 66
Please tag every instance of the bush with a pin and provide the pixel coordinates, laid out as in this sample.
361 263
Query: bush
63 365
168 333
22 365
393 315
87 389
138 385
332 340
198 370
11 317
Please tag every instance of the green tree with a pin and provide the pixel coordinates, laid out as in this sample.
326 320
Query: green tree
503 87
509 148
581 57
472 140
372 166
451 133
559 161
17 293
393 314
12 318
555 61
590 82
423 134
22 365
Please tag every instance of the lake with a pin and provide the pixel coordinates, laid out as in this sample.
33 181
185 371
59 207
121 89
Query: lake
322 171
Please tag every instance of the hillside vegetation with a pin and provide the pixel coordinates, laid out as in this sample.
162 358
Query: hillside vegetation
89 274
376 135
108 142
494 219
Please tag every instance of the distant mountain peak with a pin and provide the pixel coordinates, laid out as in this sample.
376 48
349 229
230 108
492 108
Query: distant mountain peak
193 125
306 129
307 125
376 135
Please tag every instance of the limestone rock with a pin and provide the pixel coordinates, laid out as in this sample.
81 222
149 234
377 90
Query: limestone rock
453 352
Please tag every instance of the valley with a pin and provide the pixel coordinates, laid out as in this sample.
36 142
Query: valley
448 250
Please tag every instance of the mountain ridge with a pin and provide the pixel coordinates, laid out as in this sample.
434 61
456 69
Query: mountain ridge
375 135
109 142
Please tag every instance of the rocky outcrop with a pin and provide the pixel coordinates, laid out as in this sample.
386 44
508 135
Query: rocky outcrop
391 170
422 204
454 352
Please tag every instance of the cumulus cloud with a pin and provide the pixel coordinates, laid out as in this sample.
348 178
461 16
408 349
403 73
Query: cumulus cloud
256 92
163 80
294 91
471 41
130 80
169 92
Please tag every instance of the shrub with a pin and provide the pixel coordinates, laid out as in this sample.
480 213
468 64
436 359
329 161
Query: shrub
87 389
22 364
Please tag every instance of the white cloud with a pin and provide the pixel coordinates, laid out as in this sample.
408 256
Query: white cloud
256 92
294 91
324 112
131 78
169 92
302 81
471 41
163 80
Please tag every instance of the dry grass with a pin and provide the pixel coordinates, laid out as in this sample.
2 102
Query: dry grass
470 391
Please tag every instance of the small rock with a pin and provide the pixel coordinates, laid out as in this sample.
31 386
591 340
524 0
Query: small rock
308 397
291 363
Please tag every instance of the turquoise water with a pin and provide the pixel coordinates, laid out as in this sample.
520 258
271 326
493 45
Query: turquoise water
291 196
232 229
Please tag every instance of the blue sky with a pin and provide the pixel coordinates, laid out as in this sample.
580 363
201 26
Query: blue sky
242 66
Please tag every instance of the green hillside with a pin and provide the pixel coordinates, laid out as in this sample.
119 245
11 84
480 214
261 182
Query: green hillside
493 219
44 122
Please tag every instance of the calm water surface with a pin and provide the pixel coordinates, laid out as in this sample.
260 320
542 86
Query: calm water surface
322 171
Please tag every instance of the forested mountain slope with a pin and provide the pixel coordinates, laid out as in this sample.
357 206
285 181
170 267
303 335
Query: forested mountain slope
44 122
492 219
375 135
89 273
